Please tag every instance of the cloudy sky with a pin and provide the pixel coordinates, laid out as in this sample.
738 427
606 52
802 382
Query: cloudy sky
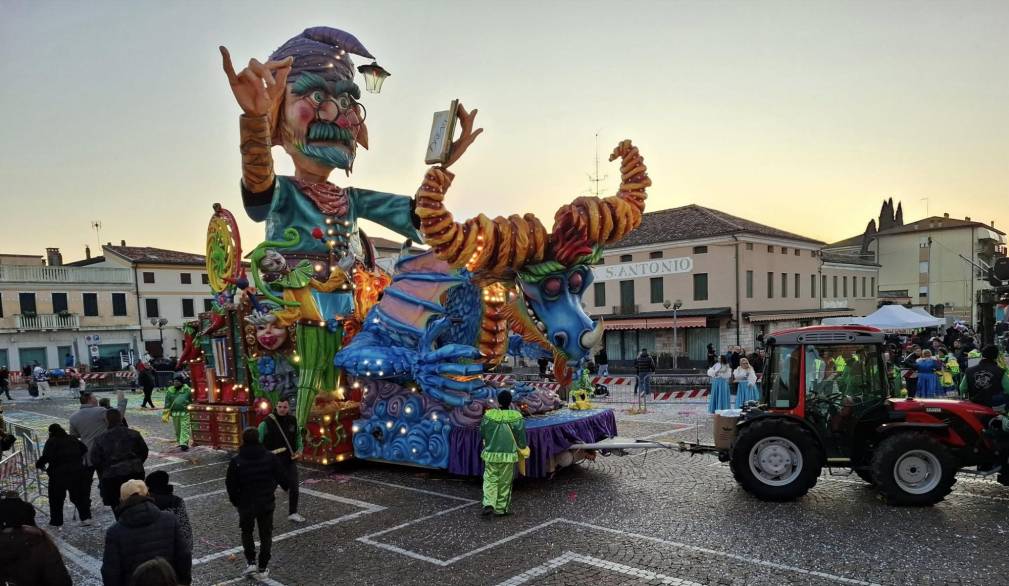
802 115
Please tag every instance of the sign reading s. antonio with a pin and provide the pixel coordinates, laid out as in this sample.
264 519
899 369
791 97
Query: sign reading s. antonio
647 268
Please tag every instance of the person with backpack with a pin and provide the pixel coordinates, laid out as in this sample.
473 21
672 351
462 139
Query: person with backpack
63 461
279 434
118 454
252 479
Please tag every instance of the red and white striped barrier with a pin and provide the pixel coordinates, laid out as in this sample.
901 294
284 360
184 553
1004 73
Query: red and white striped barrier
498 378
680 395
596 380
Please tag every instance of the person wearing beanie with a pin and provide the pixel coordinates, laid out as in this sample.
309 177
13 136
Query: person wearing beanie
143 532
504 437
163 494
986 383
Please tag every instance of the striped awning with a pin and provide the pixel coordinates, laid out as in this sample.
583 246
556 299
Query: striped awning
790 316
655 323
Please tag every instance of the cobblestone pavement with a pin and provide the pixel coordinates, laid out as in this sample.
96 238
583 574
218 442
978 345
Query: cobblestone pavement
655 517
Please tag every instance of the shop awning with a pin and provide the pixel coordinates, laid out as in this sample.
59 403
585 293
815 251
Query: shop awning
655 323
794 315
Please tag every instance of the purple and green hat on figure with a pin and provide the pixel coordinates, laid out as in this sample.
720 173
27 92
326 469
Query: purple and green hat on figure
325 52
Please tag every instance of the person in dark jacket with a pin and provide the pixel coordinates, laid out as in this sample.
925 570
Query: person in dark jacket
252 479
156 572
146 378
279 434
603 360
27 554
986 383
712 355
63 460
5 381
163 494
119 455
644 366
141 533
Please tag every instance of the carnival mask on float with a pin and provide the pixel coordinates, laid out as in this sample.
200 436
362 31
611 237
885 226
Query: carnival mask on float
269 334
319 121
550 309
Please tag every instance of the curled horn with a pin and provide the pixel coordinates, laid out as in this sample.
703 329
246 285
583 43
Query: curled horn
480 244
588 221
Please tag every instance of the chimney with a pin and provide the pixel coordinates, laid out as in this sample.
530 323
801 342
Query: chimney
993 223
968 218
87 252
122 243
946 215
53 257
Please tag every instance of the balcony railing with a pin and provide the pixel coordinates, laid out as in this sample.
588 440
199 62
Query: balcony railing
47 321
43 274
625 309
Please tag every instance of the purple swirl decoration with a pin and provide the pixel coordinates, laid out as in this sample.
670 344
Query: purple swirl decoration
394 406
468 415
419 430
437 446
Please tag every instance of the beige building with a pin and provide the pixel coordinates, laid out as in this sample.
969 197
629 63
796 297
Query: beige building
736 279
49 310
925 263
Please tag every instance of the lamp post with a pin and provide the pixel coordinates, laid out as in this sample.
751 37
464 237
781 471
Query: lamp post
676 306
160 323
374 76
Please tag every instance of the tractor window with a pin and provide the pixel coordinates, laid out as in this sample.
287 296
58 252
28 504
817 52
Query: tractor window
844 375
782 381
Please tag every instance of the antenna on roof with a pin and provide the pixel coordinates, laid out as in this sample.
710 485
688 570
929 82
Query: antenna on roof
596 180
97 225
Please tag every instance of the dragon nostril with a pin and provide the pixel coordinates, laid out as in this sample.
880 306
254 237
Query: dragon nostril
560 339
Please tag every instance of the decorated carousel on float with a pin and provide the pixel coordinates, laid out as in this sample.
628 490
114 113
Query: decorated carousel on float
380 366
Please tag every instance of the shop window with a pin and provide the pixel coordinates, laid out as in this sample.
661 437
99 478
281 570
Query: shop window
90 304
700 286
119 304
599 294
655 285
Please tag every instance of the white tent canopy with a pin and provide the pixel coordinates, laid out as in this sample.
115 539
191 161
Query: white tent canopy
891 317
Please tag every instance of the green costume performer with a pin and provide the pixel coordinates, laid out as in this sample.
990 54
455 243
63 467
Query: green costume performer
504 438
177 401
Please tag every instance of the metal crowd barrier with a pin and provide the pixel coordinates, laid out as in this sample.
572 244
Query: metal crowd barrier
31 483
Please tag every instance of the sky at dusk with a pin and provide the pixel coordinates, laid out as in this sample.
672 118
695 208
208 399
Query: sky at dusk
801 115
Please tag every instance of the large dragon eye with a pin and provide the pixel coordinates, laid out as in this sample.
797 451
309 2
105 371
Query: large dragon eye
575 282
552 286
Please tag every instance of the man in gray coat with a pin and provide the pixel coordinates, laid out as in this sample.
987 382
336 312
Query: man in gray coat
89 423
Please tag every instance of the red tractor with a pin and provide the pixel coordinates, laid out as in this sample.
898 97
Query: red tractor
826 400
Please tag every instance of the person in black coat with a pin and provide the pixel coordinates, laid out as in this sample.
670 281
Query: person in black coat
143 532
118 454
712 355
146 378
252 479
163 494
27 554
63 460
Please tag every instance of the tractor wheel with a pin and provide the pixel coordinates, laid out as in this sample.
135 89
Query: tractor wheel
865 475
913 469
776 460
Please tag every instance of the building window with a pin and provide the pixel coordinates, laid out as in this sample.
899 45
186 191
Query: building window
148 277
854 287
923 267
873 286
208 304
119 304
796 292
823 286
186 278
625 258
655 254
797 252
749 284
655 284
152 307
627 297
749 246
205 279
812 286
59 302
599 293
834 287
27 303
784 250
812 253
90 304
187 308
700 286
770 249
784 284
2 310
844 286
700 250
770 285
865 292
922 291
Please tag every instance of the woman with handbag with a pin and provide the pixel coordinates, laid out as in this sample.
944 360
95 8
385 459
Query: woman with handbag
504 437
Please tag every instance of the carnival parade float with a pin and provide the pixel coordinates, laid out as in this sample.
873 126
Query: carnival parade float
380 366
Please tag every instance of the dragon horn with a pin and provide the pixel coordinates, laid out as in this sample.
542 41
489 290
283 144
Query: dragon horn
493 247
604 221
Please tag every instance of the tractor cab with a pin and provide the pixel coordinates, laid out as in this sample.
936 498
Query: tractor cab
835 380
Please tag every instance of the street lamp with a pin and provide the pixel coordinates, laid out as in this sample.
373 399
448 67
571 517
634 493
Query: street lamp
160 323
374 76
677 305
